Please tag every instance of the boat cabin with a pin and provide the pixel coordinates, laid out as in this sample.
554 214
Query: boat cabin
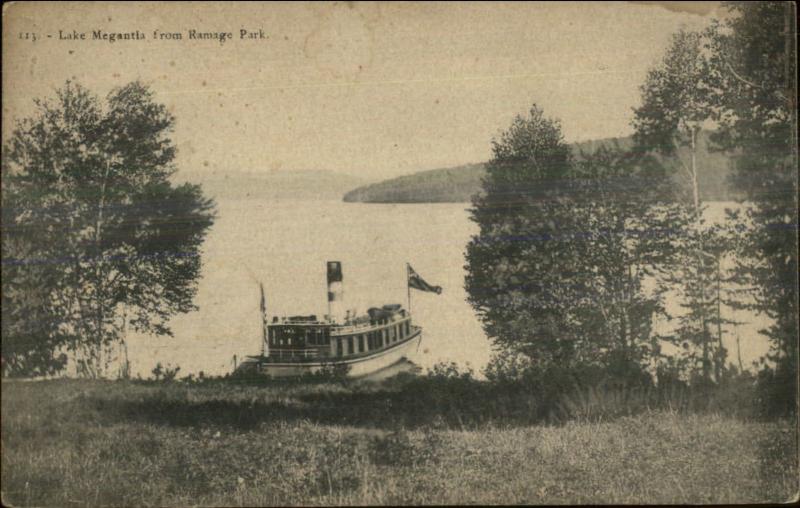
306 338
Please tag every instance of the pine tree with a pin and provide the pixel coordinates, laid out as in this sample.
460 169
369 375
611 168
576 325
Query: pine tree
753 66
675 106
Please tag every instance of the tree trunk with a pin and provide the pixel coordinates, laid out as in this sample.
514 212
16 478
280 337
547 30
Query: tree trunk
98 272
720 358
706 336
739 352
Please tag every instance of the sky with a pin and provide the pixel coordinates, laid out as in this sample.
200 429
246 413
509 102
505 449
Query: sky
373 90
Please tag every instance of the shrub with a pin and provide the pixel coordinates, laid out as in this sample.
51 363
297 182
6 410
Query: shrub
776 391
332 372
165 373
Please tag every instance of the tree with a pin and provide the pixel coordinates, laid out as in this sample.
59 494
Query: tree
557 270
625 208
29 321
675 106
514 263
94 228
753 62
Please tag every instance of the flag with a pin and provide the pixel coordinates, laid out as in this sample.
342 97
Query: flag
263 301
416 282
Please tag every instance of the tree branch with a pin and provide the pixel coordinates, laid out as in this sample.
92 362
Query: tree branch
750 83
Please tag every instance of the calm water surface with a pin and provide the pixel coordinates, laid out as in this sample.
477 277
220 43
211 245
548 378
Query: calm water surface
285 245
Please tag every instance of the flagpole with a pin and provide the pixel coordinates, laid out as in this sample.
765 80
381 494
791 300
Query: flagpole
264 337
408 289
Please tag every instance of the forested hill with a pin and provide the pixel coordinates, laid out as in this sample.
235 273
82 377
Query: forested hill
449 185
458 184
302 185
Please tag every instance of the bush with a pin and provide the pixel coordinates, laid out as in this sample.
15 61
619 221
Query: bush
332 372
162 373
776 392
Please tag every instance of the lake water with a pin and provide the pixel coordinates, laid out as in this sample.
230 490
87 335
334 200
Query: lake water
285 245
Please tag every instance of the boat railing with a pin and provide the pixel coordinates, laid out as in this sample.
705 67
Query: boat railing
299 355
366 327
285 355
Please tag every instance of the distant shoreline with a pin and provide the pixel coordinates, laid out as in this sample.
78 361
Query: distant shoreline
458 184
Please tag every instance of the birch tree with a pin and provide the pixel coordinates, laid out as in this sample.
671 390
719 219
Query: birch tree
675 106
92 201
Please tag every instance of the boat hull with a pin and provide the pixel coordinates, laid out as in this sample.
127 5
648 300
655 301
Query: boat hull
358 367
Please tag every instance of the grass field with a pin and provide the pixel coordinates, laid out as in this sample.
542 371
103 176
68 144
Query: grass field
73 443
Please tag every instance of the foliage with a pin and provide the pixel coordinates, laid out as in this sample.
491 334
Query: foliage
675 106
629 228
165 373
333 372
704 285
95 237
513 264
30 323
674 97
753 62
557 271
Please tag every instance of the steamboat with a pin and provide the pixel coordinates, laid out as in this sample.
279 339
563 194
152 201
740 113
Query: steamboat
357 344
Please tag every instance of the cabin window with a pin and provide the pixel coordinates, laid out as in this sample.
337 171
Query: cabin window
408 327
361 344
339 347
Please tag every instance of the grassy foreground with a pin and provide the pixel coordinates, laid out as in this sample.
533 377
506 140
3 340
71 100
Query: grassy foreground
72 443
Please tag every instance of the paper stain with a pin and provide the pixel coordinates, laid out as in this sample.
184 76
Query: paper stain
341 43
